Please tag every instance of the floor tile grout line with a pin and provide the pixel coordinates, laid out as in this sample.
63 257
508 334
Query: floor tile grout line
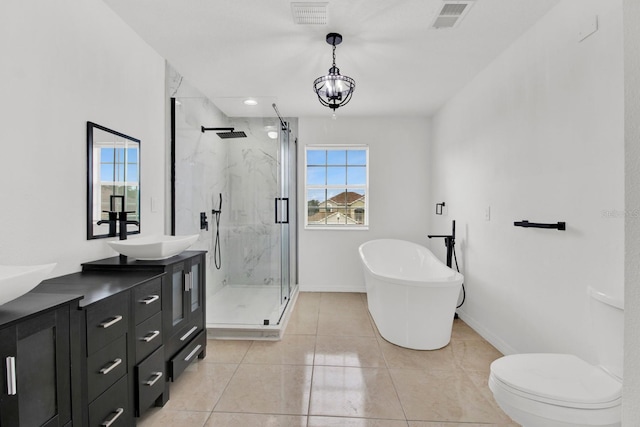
393 383
210 415
315 345
230 378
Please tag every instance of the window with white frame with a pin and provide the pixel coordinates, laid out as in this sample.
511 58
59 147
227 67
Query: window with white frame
337 186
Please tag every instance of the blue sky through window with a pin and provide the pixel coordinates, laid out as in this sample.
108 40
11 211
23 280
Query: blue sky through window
112 164
336 167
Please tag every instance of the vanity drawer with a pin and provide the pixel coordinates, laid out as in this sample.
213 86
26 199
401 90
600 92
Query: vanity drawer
180 361
147 299
106 321
150 378
113 406
186 334
148 336
106 367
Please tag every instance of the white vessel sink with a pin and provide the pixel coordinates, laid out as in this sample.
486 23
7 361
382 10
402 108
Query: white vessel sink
153 247
17 280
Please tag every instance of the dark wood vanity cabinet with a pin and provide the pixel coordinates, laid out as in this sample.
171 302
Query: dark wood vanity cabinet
183 303
149 369
122 370
137 325
36 349
107 361
185 293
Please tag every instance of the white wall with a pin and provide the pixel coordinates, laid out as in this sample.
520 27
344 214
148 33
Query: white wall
398 208
538 135
65 63
631 392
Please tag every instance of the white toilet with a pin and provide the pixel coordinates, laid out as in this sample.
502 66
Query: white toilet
562 390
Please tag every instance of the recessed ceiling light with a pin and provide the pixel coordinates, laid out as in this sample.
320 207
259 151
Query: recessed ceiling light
250 102
272 134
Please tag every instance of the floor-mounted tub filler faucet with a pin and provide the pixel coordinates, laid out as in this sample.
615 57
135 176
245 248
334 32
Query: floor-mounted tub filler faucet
449 242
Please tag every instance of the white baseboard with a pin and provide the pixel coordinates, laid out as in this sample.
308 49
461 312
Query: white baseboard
498 343
330 288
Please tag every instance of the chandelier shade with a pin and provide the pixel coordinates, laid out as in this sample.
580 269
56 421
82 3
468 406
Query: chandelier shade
334 90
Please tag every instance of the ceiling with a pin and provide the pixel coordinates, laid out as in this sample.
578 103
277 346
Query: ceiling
237 49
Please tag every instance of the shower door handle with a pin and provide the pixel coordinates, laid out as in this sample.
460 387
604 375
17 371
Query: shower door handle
285 211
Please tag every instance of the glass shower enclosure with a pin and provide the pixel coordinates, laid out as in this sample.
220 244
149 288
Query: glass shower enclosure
251 180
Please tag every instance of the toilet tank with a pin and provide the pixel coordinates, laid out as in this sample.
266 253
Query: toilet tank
607 330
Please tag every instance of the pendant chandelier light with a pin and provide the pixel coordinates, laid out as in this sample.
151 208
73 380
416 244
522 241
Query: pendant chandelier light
334 90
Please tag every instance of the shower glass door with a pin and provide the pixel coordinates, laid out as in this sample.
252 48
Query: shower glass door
285 280
252 175
257 217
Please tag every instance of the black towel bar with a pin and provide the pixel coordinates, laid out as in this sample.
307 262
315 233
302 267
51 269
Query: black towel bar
527 224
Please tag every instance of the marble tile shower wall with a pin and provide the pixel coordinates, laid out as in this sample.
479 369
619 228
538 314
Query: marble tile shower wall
200 164
201 161
245 171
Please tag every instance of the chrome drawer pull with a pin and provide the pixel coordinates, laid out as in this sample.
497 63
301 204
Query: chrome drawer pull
149 299
116 415
157 375
150 336
111 322
106 370
11 376
185 336
195 350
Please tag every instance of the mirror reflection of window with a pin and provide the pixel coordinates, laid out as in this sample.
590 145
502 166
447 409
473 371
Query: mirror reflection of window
114 180
118 176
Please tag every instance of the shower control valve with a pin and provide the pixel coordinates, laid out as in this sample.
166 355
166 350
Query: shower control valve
204 224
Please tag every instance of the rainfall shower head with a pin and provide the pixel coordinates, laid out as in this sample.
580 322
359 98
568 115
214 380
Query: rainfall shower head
226 132
232 134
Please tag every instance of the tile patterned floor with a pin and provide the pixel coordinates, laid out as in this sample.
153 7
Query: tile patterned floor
333 369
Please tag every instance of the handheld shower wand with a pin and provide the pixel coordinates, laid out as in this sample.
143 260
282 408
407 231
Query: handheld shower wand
217 254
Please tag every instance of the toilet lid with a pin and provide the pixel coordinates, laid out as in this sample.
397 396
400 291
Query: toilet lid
557 378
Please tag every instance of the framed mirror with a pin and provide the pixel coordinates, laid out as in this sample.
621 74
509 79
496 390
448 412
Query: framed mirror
113 183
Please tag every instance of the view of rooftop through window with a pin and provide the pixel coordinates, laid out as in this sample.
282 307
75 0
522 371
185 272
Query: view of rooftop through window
336 186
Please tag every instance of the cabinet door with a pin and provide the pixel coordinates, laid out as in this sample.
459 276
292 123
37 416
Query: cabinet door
36 374
178 298
196 288
8 398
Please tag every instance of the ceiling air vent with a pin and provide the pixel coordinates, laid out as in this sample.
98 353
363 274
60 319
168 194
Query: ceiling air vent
451 14
309 13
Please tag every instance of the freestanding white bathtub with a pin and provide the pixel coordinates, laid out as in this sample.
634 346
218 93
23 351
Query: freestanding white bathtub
412 296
